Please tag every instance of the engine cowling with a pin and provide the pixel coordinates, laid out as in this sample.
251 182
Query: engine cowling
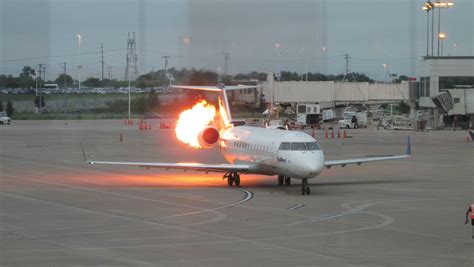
208 137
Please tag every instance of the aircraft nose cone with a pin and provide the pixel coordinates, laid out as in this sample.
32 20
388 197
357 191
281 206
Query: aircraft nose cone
312 165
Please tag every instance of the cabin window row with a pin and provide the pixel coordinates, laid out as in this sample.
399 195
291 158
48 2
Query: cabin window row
241 144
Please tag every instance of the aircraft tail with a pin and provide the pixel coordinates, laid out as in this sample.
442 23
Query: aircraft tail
224 108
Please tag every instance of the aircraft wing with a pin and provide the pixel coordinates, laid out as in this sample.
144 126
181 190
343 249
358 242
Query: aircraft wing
180 166
343 162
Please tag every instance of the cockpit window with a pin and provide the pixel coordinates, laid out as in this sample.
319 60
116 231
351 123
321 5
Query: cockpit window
298 146
313 146
284 146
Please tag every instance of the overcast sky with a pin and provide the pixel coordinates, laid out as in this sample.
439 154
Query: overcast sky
197 33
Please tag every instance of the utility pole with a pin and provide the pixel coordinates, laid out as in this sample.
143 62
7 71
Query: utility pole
131 57
226 62
166 63
65 87
131 68
38 94
166 68
110 72
44 73
40 70
346 57
102 58
36 91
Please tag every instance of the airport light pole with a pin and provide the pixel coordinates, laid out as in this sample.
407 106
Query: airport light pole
440 5
278 46
428 6
441 37
129 96
79 66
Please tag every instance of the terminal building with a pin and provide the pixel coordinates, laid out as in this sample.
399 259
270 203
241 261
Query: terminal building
446 78
451 75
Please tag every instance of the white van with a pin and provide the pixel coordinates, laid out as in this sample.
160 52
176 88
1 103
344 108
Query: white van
4 119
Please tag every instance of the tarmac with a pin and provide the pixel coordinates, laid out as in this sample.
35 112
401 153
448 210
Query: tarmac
56 210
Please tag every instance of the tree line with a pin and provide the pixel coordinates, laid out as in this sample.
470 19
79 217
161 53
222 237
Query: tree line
27 78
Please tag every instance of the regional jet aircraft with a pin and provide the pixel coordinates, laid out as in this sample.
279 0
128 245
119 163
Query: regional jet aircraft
254 150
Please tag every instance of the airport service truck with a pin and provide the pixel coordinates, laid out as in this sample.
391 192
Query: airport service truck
4 119
346 122
308 114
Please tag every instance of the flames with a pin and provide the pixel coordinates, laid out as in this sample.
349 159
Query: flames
192 121
224 117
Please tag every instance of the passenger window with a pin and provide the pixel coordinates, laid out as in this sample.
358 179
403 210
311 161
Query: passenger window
313 146
284 146
298 146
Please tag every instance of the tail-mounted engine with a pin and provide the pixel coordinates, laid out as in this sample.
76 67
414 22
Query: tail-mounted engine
208 137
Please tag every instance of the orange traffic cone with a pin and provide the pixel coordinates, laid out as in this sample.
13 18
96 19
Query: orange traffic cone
149 126
326 134
345 134
338 134
332 134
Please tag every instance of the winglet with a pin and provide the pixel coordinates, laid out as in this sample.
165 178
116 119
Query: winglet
408 152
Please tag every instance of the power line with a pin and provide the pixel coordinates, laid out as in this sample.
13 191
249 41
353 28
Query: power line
58 56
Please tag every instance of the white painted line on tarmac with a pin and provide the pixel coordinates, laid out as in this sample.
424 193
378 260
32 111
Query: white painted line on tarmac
297 206
248 196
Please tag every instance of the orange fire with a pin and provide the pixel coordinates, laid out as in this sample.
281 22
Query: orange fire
192 121
223 113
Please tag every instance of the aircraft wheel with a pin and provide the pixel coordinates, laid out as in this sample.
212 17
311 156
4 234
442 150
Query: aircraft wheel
230 180
305 187
287 180
237 180
280 179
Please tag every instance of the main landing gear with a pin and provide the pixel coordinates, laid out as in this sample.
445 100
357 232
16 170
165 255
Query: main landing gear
305 187
232 178
284 179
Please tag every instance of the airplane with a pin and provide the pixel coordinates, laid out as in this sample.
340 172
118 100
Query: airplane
257 150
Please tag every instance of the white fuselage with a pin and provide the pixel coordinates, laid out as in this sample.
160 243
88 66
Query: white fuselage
260 148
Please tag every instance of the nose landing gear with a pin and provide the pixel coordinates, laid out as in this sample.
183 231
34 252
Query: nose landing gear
305 187
232 178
